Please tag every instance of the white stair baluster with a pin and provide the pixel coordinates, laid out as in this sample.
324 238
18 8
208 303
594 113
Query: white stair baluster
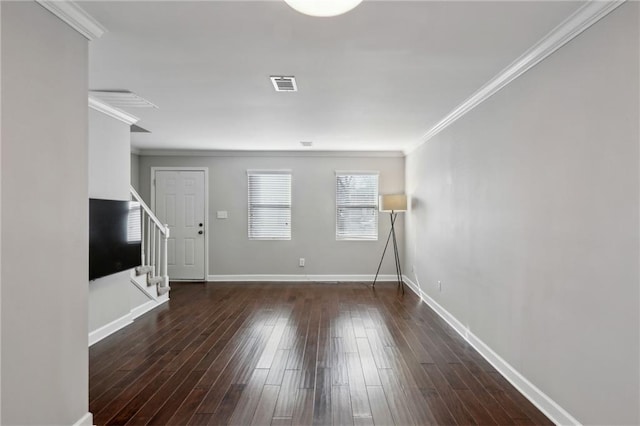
148 241
154 247
165 266
142 251
153 250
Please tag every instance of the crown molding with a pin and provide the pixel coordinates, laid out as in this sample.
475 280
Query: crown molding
231 153
116 113
580 20
76 17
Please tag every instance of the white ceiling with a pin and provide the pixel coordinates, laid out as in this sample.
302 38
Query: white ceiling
376 78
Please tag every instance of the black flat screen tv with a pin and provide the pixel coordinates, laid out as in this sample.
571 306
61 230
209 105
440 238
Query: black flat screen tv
114 236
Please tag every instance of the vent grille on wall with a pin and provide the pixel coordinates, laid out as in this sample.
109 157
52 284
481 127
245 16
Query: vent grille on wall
284 84
122 99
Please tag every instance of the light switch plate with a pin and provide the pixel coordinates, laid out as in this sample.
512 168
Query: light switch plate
222 214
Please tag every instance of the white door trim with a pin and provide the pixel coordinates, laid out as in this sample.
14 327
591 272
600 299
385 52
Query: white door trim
206 204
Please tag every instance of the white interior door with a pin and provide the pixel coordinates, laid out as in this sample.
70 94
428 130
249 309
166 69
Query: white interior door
180 203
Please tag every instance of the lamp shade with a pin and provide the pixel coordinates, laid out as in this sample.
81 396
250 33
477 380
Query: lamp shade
393 202
323 7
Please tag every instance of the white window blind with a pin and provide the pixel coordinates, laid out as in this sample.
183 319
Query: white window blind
134 223
356 205
269 204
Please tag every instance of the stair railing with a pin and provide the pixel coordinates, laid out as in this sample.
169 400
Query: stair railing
154 246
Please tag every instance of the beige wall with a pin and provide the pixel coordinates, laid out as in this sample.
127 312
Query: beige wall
313 214
44 218
527 210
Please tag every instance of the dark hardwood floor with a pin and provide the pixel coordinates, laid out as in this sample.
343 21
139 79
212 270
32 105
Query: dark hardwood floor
296 354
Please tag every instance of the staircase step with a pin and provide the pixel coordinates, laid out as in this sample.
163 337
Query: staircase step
141 270
163 290
155 280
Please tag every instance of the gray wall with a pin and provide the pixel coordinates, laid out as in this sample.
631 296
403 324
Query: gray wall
135 172
313 214
527 210
111 297
109 157
44 218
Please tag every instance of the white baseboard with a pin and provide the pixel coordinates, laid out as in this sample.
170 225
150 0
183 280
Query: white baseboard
86 420
146 307
298 278
549 407
107 330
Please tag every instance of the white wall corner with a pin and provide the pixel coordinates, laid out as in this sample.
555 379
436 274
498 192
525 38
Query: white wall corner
86 420
74 16
113 112
587 15
549 407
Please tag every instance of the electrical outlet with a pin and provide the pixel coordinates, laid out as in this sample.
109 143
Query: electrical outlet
439 285
301 264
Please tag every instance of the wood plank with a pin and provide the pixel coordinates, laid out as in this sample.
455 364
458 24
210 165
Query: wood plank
227 405
276 371
340 374
303 408
484 398
396 398
288 394
246 406
282 421
451 400
323 401
377 349
369 369
357 387
379 406
266 405
271 347
341 411
363 421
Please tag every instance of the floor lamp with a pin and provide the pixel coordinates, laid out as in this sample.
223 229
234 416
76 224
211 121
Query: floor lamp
392 204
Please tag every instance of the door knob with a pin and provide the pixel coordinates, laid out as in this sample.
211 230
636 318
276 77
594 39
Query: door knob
200 224
200 232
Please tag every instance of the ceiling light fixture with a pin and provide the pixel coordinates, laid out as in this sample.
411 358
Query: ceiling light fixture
323 7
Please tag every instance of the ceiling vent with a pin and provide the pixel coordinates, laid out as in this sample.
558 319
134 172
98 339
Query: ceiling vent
122 99
306 143
284 84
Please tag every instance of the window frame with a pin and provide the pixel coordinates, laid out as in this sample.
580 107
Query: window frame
252 205
373 205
